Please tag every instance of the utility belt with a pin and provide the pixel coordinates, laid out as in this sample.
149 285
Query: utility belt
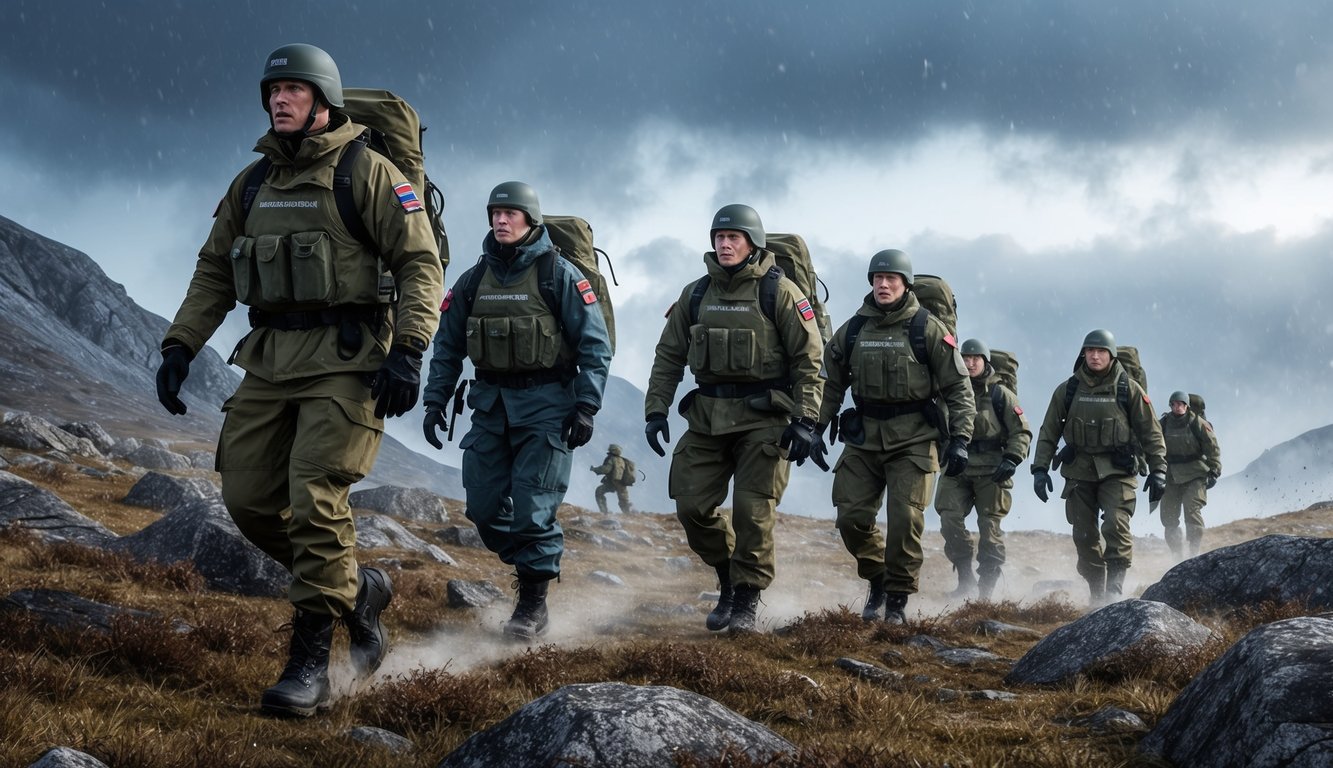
525 379
894 410
1182 458
372 315
743 389
984 446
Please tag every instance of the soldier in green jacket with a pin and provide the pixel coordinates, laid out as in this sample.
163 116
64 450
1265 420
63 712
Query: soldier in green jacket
1193 464
1000 439
751 341
898 360
329 356
617 475
1106 419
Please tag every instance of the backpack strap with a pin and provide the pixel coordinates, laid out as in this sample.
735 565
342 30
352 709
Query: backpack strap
1122 393
697 297
1071 388
253 181
916 336
546 281
342 193
471 282
768 294
997 402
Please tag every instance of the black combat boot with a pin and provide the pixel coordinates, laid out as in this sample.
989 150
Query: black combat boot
304 685
1173 537
1096 590
967 580
895 607
744 609
1115 582
530 618
720 616
986 583
874 608
370 640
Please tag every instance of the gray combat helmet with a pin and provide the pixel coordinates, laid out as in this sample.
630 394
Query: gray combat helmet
1100 339
516 195
976 347
741 218
614 450
299 61
891 260
1179 396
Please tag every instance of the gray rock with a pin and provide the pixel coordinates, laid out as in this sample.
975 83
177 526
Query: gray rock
1100 636
156 490
928 642
200 459
610 524
677 563
461 536
1266 699
46 515
416 504
946 695
472 594
614 724
378 737
202 533
67 611
1276 567
607 578
990 695
125 446
376 532
992 628
94 433
33 433
1111 720
595 539
66 757
968 657
151 456
867 671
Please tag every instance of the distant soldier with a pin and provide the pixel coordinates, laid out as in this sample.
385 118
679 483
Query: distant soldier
1101 418
1194 462
540 375
1000 439
617 476
750 339
892 436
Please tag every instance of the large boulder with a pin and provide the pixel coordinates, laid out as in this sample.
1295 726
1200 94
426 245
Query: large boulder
376 532
99 437
416 504
1278 567
1101 636
616 724
1264 704
46 515
156 490
33 433
68 611
202 533
151 456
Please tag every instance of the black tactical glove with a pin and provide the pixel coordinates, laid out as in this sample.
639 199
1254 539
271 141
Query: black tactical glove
833 430
171 375
396 382
1212 480
1155 485
577 428
1006 469
435 419
955 457
819 449
657 425
1041 483
796 439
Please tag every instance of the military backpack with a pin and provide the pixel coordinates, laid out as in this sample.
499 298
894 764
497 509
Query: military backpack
935 295
393 129
1197 405
793 257
1006 367
628 473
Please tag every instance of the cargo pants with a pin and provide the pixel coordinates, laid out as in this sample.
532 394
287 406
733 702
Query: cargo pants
860 481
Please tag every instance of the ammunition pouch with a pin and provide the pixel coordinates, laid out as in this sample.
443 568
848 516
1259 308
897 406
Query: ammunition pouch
1125 459
852 427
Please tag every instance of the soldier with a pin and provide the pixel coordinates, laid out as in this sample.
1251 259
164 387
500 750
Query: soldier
327 359
750 339
896 358
1101 413
1000 439
617 474
1193 464
540 370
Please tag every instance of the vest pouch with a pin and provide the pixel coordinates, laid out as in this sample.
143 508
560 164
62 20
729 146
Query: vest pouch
312 268
1077 434
871 375
911 379
275 274
244 278
771 401
497 343
536 341
698 354
1113 433
476 348
742 355
719 345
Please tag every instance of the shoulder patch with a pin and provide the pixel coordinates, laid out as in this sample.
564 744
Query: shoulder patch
407 198
1018 410
448 298
803 306
585 290
1145 399
950 340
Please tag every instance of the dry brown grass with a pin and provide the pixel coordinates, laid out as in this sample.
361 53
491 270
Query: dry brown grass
148 693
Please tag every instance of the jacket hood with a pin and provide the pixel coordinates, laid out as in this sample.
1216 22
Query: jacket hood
752 270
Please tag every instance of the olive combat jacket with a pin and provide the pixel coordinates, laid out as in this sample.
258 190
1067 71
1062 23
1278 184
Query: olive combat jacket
882 370
1098 429
734 343
614 469
993 439
1191 447
292 253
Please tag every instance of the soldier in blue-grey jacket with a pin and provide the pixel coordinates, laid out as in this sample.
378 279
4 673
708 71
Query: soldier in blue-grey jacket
541 365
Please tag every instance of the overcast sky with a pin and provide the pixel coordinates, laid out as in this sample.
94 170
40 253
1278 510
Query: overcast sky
1160 169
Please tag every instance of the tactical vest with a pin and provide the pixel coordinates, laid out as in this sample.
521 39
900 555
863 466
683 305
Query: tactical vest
1182 439
733 340
988 431
511 329
296 253
884 368
1096 423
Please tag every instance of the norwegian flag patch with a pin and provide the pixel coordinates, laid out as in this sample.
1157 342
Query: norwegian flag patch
448 298
950 340
585 289
1018 410
1145 399
407 198
807 312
